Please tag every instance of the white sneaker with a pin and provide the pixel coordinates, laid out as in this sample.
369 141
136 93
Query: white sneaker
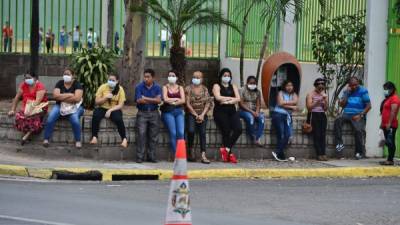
339 147
277 158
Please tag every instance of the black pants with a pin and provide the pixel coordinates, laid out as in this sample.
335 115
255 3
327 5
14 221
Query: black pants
359 131
229 125
390 142
192 128
318 123
115 117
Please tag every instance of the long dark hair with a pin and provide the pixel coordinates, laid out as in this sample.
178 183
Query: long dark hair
116 89
388 86
221 73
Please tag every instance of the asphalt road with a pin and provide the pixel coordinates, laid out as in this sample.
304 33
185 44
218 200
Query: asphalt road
233 202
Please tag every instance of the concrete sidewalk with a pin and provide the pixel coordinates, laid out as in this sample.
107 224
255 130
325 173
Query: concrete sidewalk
16 163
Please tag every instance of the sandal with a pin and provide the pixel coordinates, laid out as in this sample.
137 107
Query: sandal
204 159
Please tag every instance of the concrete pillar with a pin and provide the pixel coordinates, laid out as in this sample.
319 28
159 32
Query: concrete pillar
289 34
375 68
224 31
104 22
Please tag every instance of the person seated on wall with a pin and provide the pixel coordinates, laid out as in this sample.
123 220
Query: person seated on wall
250 105
29 119
68 95
356 104
227 118
110 99
172 110
197 106
287 101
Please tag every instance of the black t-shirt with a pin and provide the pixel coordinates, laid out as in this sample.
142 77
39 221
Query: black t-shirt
75 86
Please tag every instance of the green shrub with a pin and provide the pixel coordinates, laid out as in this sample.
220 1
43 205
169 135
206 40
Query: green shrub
92 67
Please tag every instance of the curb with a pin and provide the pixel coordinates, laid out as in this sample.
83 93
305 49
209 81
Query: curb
163 174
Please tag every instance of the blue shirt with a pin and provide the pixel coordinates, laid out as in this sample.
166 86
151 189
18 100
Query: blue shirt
152 92
356 101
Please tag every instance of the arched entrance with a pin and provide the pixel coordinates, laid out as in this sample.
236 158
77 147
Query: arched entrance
277 68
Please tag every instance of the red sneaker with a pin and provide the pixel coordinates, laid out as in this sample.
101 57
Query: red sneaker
232 158
224 154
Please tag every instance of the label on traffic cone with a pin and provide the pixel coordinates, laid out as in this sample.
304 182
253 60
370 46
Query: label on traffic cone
178 206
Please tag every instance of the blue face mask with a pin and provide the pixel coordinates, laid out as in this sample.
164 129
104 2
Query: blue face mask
29 81
112 83
196 81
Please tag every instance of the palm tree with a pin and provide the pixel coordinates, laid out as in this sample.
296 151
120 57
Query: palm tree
35 36
178 17
273 9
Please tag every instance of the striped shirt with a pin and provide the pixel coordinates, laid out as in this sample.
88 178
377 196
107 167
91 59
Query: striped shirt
356 101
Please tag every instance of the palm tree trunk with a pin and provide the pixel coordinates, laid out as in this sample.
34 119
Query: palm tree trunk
134 44
35 36
177 58
262 52
110 23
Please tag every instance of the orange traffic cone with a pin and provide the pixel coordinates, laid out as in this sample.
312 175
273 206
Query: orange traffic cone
178 206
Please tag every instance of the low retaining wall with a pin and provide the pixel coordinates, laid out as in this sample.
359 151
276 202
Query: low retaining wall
109 140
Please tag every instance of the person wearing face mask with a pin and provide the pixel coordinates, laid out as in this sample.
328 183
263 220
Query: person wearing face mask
356 104
110 98
30 90
197 106
287 100
389 110
227 118
250 105
68 94
172 110
317 104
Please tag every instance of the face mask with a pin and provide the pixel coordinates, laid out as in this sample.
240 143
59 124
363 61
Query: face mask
67 78
226 79
386 93
172 80
196 81
252 86
112 83
29 81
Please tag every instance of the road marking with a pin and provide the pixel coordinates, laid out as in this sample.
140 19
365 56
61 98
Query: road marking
32 220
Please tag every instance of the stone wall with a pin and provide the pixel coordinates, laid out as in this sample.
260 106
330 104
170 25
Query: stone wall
13 65
109 140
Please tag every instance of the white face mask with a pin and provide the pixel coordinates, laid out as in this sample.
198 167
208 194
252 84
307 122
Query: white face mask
196 81
226 80
386 93
252 86
67 78
172 80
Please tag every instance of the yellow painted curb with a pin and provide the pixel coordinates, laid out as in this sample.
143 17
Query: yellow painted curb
40 173
11 170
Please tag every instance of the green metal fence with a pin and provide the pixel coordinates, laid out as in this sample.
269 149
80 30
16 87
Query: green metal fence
254 34
310 19
202 42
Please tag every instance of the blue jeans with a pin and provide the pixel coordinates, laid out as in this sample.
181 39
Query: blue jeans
254 126
283 132
74 119
175 123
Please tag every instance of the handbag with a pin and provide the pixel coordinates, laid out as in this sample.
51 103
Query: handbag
69 108
31 109
307 127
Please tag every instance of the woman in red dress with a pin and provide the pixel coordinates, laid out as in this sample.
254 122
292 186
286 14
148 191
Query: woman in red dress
32 92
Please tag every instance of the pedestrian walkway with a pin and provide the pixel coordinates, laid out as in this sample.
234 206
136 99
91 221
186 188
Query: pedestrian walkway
14 163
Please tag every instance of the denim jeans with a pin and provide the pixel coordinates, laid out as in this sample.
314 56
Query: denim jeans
359 131
74 119
254 126
282 129
175 123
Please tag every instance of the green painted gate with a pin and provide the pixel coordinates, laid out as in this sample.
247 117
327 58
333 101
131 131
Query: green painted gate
393 57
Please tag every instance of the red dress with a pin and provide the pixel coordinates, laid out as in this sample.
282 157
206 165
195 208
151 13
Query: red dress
33 123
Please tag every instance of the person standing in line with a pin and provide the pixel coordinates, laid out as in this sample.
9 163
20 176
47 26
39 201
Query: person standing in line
197 105
63 39
172 110
250 106
76 39
50 40
227 118
41 34
147 97
389 111
110 98
163 41
7 37
287 101
317 104
91 39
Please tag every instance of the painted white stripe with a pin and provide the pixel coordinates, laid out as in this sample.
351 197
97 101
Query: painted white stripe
32 220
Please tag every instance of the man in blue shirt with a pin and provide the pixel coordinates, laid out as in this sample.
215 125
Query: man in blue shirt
356 104
147 98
